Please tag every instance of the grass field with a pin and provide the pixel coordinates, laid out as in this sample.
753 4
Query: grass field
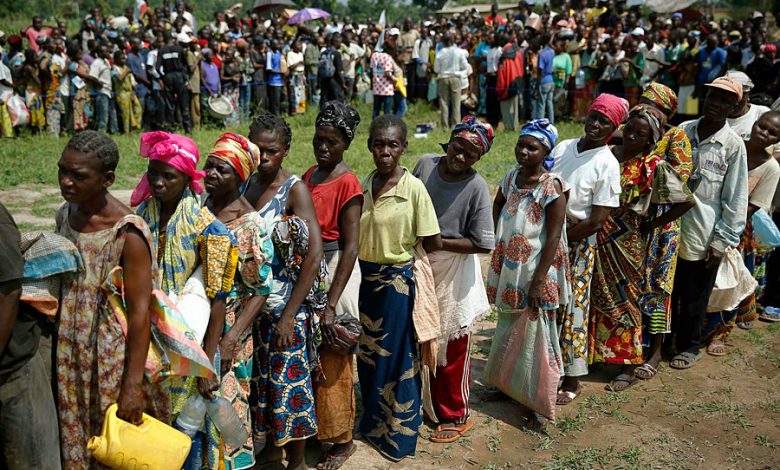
33 159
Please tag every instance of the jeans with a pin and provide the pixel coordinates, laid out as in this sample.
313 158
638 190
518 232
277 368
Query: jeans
399 104
312 90
542 106
350 83
385 102
274 99
693 283
105 114
28 419
244 100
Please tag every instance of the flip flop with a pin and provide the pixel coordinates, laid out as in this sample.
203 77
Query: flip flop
745 325
645 371
338 458
459 431
768 317
687 358
629 379
711 348
565 396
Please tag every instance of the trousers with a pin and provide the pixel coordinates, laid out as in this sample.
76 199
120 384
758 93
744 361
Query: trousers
693 283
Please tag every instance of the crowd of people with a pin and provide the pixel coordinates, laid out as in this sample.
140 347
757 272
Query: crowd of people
603 248
158 68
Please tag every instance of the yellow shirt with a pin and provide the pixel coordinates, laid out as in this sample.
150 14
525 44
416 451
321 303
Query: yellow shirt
391 226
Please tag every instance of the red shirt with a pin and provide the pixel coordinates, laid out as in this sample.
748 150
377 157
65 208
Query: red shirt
329 198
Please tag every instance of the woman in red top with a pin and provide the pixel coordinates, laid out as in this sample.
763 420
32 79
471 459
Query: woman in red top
338 200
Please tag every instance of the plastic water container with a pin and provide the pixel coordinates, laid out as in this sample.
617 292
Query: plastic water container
190 419
579 79
228 423
150 445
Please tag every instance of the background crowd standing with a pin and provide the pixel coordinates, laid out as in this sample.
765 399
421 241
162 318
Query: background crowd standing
603 248
156 68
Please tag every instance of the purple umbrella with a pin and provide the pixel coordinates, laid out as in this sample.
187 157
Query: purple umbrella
307 14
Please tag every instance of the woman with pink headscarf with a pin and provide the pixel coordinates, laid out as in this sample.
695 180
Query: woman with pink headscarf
593 174
186 237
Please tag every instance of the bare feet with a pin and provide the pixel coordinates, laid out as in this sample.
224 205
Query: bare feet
335 457
568 391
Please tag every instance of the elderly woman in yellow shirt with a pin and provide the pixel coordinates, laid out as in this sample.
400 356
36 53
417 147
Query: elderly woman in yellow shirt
397 213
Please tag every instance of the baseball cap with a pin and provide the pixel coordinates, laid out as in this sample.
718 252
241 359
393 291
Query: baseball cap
394 32
677 15
183 38
637 32
741 77
728 84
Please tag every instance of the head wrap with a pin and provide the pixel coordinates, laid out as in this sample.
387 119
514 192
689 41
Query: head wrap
238 151
475 131
339 115
546 133
646 112
174 150
611 106
662 96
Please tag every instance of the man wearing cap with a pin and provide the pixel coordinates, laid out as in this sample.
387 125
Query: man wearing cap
719 185
743 117
172 66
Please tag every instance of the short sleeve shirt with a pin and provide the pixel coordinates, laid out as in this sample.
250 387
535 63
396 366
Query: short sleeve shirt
762 183
329 198
463 208
11 262
593 175
391 225
381 63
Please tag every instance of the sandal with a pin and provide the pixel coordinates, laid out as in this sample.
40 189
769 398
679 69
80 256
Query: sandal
716 348
769 315
688 359
629 380
645 371
745 325
565 396
336 460
458 429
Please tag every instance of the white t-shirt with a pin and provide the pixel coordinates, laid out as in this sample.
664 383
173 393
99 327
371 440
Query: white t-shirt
295 57
5 91
657 53
62 61
101 70
593 176
743 125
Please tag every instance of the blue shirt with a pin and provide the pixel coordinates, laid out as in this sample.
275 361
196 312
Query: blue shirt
136 63
711 63
273 67
545 64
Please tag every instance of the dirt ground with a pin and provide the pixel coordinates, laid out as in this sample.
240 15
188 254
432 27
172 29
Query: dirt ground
723 413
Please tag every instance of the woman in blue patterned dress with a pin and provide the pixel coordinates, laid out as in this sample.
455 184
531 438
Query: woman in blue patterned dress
286 334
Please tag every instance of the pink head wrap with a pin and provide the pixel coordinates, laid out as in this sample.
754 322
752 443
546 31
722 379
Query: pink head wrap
172 149
611 106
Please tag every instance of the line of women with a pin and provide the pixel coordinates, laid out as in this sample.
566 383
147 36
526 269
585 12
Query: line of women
296 278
